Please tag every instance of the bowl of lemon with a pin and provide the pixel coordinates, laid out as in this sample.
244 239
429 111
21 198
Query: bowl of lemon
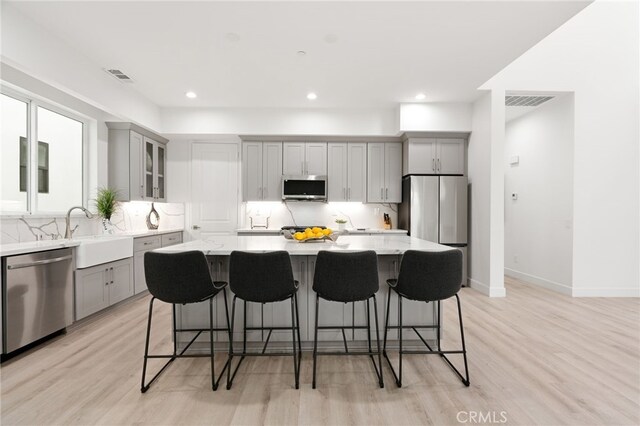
315 235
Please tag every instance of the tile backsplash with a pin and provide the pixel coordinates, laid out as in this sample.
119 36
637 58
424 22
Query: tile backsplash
129 217
357 215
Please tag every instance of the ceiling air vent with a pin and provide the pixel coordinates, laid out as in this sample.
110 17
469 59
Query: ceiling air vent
119 75
526 101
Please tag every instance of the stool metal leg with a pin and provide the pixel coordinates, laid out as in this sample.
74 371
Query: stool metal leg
399 378
375 313
315 343
144 388
214 385
386 326
233 319
298 328
296 364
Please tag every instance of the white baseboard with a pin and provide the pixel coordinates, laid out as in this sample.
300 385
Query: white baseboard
540 282
606 292
486 290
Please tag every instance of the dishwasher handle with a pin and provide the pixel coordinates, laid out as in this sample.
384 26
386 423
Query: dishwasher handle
39 262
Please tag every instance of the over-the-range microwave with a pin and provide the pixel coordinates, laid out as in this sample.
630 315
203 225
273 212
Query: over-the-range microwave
308 187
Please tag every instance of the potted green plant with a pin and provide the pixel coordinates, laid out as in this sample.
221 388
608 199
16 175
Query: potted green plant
106 205
341 224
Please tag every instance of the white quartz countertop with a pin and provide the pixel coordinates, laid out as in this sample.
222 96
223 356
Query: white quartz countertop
33 246
148 233
347 231
382 245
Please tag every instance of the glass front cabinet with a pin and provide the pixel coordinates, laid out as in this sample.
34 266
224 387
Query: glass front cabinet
137 163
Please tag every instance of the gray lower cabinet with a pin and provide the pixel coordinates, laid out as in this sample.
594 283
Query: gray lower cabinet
141 245
103 285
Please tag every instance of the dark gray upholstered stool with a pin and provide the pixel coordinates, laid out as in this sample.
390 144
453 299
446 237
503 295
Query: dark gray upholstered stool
182 278
347 277
263 278
427 277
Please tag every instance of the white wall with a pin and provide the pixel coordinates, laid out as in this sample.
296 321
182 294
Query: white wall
317 121
31 49
435 117
538 240
596 56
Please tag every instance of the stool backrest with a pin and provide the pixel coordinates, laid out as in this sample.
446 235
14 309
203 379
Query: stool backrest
346 277
178 277
430 275
261 277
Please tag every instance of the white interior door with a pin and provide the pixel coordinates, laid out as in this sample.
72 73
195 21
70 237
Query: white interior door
214 189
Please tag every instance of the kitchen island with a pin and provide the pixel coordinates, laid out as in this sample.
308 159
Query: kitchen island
389 249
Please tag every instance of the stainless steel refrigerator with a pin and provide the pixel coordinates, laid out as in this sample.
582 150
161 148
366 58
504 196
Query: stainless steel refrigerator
434 208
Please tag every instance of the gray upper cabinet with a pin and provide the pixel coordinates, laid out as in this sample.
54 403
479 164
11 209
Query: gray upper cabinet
304 158
433 156
137 163
261 171
347 171
384 172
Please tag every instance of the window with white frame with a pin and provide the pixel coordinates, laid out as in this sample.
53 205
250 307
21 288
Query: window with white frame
41 159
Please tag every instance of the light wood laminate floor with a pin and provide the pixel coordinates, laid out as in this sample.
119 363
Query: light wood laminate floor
535 357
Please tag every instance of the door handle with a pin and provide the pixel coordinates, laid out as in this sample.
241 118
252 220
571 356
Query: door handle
386 197
111 275
196 227
381 194
438 164
433 164
106 275
38 262
142 191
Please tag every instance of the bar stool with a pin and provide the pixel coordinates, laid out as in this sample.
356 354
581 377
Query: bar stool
182 278
347 277
263 278
427 277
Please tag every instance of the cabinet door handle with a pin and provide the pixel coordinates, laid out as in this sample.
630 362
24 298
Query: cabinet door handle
386 197
438 164
433 164
106 275
142 191
111 275
381 193
302 166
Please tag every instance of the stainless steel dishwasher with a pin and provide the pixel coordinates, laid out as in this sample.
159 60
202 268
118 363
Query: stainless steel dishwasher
37 296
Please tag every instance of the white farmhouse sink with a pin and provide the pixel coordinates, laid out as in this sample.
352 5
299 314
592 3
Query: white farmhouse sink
99 249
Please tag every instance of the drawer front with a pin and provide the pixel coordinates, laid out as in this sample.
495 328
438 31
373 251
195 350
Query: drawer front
171 239
147 243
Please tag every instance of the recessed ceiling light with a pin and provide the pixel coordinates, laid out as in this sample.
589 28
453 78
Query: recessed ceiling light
311 96
420 96
191 95
301 53
232 37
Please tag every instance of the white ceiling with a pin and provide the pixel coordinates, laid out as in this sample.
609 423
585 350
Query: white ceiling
359 54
